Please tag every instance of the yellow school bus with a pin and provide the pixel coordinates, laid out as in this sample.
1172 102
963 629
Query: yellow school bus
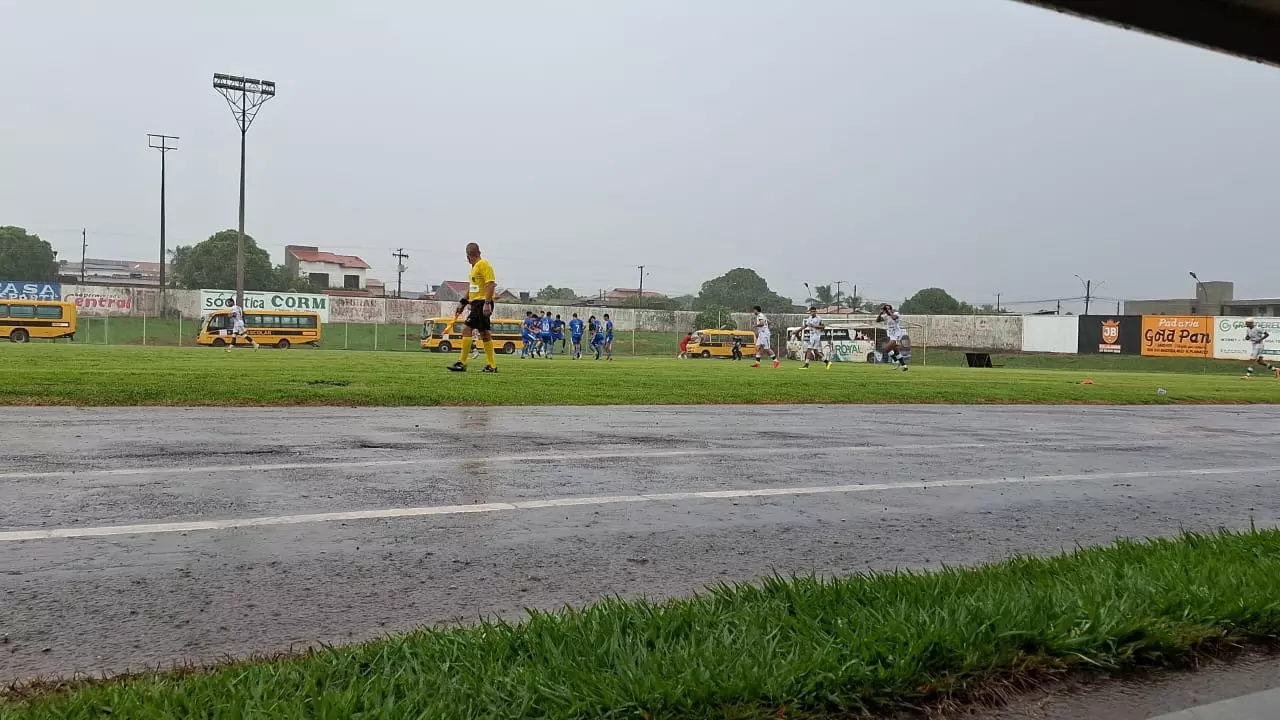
21 320
267 327
719 343
444 334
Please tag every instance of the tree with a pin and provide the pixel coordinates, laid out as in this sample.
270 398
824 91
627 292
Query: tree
740 289
212 264
552 292
716 317
24 256
932 301
823 296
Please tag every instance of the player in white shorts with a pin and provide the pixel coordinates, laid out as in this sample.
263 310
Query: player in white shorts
763 339
237 327
813 328
1257 338
898 349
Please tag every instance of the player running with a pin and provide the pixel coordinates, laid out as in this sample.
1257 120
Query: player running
763 338
237 327
813 341
1257 337
608 338
478 305
898 349
575 336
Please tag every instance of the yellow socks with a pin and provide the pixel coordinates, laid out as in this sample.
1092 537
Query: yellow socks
466 349
488 353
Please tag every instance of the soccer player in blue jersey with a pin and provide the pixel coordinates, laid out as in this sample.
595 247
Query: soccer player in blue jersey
526 336
608 337
597 335
575 335
546 338
557 332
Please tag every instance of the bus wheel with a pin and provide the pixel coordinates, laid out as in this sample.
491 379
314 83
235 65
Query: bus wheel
706 354
445 347
19 336
219 342
871 357
283 344
509 349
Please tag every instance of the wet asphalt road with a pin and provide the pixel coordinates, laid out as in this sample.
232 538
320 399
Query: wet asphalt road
996 480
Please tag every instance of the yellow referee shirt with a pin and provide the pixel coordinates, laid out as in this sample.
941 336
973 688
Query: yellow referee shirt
481 275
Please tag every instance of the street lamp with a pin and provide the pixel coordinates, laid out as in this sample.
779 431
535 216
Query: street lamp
1088 292
161 143
245 96
1200 288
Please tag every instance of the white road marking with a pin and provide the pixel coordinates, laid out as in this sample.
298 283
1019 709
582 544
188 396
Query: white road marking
632 453
230 524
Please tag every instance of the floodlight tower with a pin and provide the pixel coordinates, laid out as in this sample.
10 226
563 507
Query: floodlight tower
245 96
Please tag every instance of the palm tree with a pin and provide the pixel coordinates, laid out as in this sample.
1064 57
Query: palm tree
822 296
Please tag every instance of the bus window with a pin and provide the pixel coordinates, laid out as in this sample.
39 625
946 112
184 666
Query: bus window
22 311
4 311
49 312
219 322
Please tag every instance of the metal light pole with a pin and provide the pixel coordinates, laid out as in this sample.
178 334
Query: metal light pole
161 143
1088 292
1200 288
639 304
245 96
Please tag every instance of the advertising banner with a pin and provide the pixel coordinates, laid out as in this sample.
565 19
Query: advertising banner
1110 334
1229 342
1051 334
357 309
211 300
23 290
98 300
1177 335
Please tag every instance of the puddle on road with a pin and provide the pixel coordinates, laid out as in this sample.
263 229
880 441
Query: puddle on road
1141 697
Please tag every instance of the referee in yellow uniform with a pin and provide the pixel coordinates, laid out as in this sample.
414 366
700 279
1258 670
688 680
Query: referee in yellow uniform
478 304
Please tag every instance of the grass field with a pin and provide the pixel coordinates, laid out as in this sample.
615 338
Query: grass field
63 374
787 648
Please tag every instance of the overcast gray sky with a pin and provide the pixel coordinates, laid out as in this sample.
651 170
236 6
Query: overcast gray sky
976 145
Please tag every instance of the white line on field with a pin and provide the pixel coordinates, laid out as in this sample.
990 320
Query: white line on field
624 454
197 525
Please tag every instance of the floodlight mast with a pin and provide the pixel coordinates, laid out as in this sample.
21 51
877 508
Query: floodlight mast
245 96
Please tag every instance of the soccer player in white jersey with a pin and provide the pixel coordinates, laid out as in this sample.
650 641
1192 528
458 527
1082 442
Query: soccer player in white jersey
898 349
764 341
1257 338
813 328
237 327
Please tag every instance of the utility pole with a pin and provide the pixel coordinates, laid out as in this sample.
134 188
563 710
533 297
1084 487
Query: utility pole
84 246
997 302
1059 310
400 257
245 96
1088 292
640 297
161 143
838 284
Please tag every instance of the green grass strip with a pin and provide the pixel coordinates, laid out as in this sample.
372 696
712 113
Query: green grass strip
804 646
102 376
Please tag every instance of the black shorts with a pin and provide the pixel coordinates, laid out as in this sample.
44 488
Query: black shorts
476 319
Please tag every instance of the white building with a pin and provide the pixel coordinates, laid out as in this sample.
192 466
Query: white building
326 269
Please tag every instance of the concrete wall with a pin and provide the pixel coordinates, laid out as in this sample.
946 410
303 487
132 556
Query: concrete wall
988 332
